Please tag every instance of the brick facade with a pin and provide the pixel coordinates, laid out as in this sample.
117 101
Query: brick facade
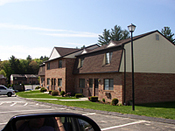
151 87
94 64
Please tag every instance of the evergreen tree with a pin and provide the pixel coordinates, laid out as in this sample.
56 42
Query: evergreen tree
115 34
166 31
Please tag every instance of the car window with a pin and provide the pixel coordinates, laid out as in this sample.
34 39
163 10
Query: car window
2 88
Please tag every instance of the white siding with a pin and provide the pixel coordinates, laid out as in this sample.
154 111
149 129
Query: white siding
151 55
54 54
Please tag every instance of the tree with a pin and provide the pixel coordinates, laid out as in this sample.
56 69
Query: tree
2 72
15 65
166 31
105 38
115 34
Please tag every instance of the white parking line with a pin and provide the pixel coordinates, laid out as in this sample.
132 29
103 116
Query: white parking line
25 104
1 103
25 110
132 123
87 114
3 123
13 104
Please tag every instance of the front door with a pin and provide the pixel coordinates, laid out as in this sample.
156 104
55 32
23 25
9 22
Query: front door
96 87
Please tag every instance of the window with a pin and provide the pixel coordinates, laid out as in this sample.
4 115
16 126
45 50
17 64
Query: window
42 80
82 83
48 81
90 83
60 64
48 66
108 57
59 82
2 88
108 84
81 60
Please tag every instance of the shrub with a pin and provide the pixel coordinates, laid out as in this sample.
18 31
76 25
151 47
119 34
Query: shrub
68 94
55 93
62 93
94 98
114 101
50 91
103 100
38 87
43 89
78 95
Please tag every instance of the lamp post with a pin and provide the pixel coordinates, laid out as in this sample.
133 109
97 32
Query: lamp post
131 29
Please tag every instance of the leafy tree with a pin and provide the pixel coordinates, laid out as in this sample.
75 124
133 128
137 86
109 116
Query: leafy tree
2 72
115 34
7 69
34 66
166 31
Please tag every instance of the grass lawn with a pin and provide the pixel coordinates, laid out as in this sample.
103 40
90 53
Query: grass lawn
161 110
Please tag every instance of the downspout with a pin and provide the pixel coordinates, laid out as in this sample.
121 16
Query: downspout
124 89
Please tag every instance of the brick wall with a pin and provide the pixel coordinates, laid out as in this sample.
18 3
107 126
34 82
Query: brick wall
151 87
69 75
116 93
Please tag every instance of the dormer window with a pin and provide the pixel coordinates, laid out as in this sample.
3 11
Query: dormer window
80 64
108 57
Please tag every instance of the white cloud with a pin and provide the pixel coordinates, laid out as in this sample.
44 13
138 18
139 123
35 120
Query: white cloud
3 2
64 33
74 35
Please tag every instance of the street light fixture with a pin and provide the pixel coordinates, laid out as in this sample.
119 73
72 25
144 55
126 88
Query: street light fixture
131 29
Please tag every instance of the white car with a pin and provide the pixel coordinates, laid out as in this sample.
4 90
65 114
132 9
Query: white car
6 91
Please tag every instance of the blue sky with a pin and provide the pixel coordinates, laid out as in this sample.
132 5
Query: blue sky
34 27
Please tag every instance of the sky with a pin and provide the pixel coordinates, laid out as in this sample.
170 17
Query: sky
35 27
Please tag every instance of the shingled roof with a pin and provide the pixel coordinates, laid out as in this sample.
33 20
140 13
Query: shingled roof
65 51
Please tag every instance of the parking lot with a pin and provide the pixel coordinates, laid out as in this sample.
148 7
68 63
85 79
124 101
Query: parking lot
10 106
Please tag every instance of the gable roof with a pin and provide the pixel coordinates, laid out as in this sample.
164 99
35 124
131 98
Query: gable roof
118 43
60 52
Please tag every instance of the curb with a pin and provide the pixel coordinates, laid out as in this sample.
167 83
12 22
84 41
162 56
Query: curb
163 120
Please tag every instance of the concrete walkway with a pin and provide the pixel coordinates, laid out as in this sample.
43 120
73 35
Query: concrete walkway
80 99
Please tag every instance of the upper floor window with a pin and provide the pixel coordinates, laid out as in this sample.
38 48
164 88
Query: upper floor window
60 64
108 57
108 84
81 61
48 66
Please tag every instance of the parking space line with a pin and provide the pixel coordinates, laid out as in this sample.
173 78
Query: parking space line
3 123
25 111
132 123
1 103
13 104
87 114
25 104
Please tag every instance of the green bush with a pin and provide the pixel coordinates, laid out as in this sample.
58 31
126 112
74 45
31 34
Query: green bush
55 93
38 87
114 101
94 98
50 91
43 89
103 100
78 95
62 93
